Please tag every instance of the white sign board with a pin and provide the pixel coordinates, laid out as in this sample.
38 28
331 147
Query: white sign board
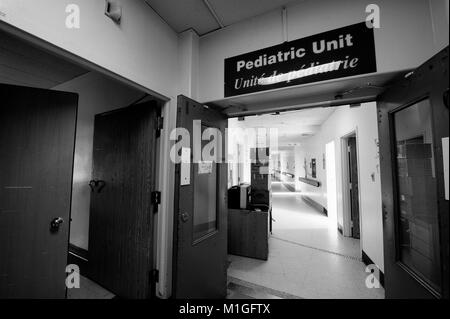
205 167
445 155
185 176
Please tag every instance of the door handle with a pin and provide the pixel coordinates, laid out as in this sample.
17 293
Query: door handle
184 217
385 213
55 224
97 185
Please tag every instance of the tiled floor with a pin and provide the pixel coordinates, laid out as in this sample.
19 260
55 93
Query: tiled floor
298 222
307 258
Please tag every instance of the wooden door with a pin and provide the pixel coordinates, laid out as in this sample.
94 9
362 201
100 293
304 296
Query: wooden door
354 186
37 138
121 213
200 221
413 121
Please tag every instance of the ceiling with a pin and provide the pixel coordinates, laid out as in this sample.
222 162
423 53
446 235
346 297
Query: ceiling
23 64
201 15
292 126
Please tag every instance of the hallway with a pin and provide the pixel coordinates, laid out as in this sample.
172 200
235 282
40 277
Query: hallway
297 222
307 259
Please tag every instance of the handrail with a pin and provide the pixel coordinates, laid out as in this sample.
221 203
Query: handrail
309 181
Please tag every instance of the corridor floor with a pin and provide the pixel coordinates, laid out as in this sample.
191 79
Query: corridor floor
307 258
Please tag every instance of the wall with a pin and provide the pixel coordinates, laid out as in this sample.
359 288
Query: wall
439 10
405 39
188 63
142 49
286 160
97 94
342 121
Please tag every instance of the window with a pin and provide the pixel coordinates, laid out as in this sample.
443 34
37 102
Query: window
205 188
417 214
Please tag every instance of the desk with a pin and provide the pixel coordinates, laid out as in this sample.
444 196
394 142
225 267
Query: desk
248 233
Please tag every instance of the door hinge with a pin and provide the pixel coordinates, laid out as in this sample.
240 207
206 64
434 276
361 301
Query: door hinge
156 200
351 223
154 275
350 186
159 125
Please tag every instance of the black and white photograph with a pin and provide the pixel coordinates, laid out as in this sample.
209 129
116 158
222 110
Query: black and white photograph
219 158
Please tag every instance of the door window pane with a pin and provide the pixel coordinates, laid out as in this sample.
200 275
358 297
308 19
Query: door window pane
417 220
205 203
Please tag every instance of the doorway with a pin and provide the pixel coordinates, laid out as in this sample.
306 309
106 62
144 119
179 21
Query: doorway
330 162
350 171
306 204
25 68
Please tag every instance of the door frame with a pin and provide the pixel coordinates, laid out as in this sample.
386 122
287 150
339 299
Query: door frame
346 200
166 171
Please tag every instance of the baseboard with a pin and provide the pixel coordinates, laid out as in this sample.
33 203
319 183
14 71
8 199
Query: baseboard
78 256
367 261
315 205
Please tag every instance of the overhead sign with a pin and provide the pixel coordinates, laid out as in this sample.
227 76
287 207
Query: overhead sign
334 54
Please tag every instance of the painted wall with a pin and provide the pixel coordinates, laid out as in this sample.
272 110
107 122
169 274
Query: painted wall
188 63
97 94
405 39
142 49
342 121
286 162
439 10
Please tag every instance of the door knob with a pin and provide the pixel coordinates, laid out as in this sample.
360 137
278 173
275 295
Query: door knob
55 224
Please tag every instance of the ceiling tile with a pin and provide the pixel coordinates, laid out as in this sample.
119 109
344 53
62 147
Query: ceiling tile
232 11
185 14
293 126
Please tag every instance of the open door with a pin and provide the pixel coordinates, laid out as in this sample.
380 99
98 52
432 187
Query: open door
37 138
200 209
413 127
121 212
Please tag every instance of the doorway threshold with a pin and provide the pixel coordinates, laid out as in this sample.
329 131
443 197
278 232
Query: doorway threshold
241 289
